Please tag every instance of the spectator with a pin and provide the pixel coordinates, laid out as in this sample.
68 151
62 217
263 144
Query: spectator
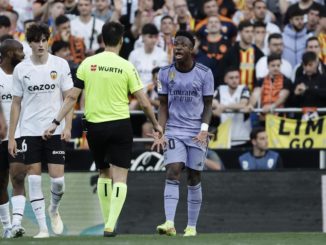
260 36
213 162
313 20
146 58
4 25
233 96
275 46
302 5
103 10
273 90
24 10
213 48
182 17
166 36
244 55
86 26
226 8
210 8
152 92
260 158
71 8
322 34
312 45
54 9
310 86
294 37
76 45
249 12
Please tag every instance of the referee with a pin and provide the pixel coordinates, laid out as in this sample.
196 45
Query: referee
107 79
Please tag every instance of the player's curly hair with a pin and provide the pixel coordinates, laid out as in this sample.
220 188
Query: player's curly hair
35 32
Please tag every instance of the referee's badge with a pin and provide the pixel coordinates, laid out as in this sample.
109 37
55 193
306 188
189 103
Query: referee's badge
53 75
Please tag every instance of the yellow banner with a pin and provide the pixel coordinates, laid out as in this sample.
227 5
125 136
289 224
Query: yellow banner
222 139
291 133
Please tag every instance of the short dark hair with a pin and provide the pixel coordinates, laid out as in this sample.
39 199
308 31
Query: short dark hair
274 36
322 13
35 32
186 34
61 20
259 24
308 57
255 131
315 8
58 45
273 57
258 1
4 21
166 17
150 29
230 69
5 37
244 24
112 32
295 12
313 38
155 70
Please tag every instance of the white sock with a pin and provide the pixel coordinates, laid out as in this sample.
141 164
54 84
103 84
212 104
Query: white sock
57 190
5 215
37 200
18 207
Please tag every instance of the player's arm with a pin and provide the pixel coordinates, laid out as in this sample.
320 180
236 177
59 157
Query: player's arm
67 106
3 124
147 108
66 134
163 113
207 112
14 117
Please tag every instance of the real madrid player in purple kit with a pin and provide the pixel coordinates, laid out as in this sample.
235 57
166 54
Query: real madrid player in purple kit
186 91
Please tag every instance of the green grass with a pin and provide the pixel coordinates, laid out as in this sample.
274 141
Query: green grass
218 239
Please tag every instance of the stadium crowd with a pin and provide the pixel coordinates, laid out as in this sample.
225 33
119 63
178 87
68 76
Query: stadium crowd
264 54
277 49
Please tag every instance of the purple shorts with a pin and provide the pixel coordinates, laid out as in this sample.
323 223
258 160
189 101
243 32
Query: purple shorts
184 149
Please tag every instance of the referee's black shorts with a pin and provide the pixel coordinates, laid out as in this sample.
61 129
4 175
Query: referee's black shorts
110 143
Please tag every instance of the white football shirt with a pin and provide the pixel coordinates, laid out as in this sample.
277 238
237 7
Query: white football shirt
6 99
41 87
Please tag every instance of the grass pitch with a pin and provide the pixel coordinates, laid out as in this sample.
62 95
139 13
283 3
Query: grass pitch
218 239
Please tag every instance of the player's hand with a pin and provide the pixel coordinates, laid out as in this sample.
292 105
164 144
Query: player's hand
12 147
159 142
202 138
66 135
49 132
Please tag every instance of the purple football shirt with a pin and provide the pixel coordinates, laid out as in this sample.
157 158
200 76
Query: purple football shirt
185 91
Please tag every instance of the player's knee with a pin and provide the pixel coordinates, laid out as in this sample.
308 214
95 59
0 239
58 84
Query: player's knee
173 174
58 185
193 179
18 179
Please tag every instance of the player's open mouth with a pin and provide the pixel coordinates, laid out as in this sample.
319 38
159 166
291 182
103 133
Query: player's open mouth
178 55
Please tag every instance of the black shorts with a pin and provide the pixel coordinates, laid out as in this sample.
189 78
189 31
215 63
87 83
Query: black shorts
45 151
6 158
110 143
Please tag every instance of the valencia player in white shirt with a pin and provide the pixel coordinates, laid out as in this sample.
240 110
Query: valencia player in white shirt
40 84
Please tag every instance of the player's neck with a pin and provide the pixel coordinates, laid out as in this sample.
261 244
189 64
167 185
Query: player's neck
113 49
149 50
231 90
40 60
258 152
7 67
244 45
185 66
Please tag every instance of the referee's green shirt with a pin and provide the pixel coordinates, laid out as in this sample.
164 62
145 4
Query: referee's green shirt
107 78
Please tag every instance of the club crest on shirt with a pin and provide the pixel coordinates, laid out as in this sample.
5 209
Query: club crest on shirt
171 75
53 75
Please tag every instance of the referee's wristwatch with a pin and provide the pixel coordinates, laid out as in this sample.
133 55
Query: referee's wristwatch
56 122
